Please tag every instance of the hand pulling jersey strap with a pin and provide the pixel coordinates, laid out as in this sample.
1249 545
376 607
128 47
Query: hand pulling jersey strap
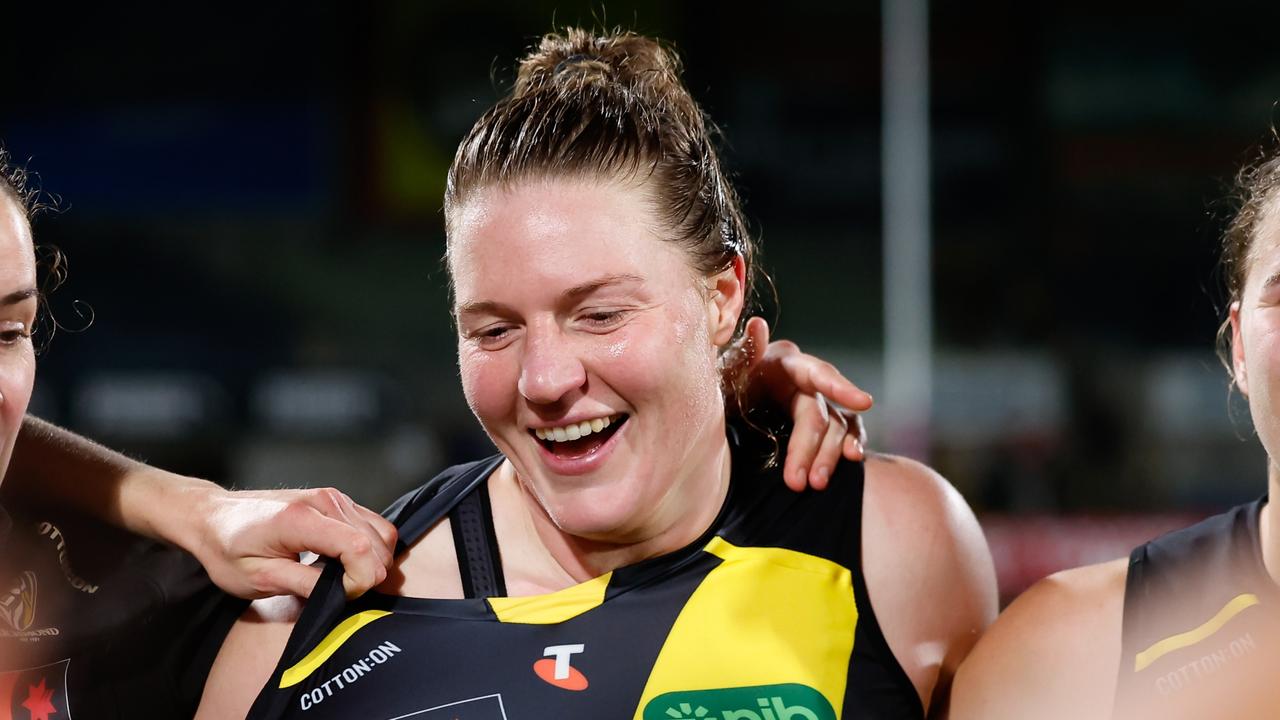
414 515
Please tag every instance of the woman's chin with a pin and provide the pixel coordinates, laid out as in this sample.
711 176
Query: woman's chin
604 520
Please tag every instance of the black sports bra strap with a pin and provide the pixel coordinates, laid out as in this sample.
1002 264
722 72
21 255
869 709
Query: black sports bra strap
424 517
476 544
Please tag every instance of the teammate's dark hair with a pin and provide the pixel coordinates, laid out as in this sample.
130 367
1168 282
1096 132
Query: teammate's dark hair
611 107
17 184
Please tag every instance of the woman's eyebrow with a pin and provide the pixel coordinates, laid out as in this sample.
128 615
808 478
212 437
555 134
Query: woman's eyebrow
1272 280
587 288
486 307
14 298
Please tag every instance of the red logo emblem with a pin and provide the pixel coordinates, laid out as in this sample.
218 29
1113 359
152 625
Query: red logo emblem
39 702
556 670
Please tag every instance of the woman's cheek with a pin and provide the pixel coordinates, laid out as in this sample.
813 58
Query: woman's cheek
484 383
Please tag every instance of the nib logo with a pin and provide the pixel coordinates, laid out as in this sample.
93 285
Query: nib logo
688 712
762 702
555 668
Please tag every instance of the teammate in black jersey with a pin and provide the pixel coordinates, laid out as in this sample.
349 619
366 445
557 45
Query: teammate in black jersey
98 619
1189 625
600 263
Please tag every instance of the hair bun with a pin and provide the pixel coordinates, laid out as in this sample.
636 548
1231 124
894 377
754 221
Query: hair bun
577 59
582 64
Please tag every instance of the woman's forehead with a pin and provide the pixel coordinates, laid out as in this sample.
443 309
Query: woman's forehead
540 248
560 202
1263 258
17 257
566 223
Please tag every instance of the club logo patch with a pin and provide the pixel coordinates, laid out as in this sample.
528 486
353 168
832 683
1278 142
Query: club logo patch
761 702
38 693
18 606
555 667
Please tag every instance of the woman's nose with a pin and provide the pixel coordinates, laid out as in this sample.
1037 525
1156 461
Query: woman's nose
550 369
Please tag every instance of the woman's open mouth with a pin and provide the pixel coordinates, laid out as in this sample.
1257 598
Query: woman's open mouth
578 440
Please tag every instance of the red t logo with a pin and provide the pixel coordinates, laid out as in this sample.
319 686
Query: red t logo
555 668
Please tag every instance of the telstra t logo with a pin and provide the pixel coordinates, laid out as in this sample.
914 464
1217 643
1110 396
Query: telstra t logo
554 667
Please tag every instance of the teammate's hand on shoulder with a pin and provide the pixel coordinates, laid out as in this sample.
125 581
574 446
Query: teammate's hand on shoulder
822 404
249 541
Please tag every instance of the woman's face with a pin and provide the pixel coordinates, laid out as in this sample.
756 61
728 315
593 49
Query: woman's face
17 317
576 320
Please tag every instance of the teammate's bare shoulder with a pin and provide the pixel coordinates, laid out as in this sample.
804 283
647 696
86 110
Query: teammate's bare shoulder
1053 653
928 570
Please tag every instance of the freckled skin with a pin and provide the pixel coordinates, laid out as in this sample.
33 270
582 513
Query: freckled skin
521 248
17 356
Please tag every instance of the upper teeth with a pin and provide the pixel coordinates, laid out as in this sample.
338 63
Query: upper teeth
576 430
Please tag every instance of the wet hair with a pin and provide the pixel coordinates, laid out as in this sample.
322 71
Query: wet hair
1256 198
1257 190
20 186
15 183
611 106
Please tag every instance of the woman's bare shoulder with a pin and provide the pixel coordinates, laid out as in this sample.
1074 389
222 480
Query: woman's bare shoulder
257 640
248 657
1054 653
428 569
928 570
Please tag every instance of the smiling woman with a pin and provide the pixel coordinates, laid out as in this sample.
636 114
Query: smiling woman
628 552
620 330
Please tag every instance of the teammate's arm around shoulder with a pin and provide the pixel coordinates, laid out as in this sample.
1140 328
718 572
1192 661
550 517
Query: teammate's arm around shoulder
1052 655
247 658
928 570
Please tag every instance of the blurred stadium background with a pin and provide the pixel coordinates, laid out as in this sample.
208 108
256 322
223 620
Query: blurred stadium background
250 202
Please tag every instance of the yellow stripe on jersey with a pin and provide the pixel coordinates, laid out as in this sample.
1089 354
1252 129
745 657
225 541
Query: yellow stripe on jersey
553 607
1176 642
764 616
328 646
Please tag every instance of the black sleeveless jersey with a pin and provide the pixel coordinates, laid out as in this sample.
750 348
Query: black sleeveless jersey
1201 634
765 617
98 624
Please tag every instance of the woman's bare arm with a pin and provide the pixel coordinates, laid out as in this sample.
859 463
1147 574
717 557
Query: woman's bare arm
247 658
248 541
928 570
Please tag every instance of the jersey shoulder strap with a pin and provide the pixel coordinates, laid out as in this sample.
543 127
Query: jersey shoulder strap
1183 580
413 515
417 511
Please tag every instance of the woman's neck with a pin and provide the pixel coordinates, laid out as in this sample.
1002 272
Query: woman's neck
684 514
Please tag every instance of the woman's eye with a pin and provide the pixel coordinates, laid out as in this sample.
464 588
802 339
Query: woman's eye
602 318
13 336
492 336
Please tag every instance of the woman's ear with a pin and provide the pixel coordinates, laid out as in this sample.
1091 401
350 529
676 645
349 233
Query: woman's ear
1238 372
725 299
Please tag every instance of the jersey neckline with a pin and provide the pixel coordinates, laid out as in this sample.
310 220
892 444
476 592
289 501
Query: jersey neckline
616 582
